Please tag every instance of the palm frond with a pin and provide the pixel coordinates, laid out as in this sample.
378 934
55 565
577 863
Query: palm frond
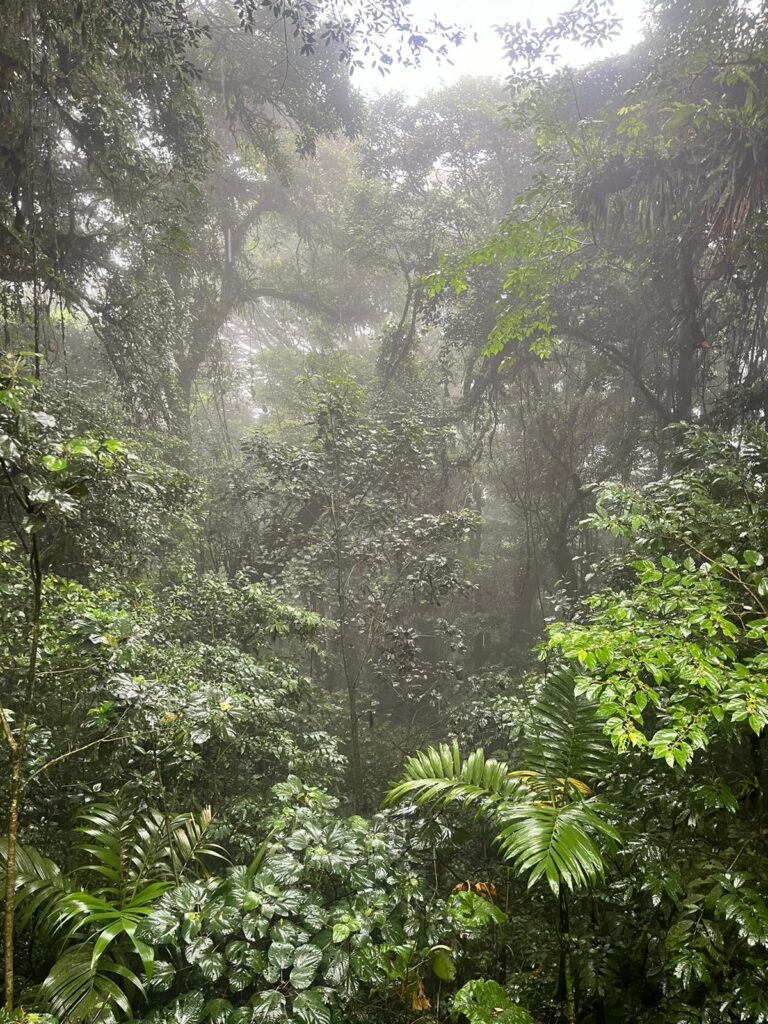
440 775
151 847
548 823
126 849
192 845
556 842
91 930
78 990
108 845
565 739
39 883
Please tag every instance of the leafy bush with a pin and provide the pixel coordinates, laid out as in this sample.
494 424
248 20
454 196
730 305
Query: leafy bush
328 916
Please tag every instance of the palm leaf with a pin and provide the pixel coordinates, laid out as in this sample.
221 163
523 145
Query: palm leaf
439 775
76 990
548 823
108 841
556 842
127 848
137 859
39 883
565 739
192 845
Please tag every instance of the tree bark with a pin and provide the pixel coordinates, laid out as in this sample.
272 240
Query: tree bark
691 337
10 873
16 747
566 968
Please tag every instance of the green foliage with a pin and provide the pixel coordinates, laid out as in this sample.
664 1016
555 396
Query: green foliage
441 776
96 959
545 825
535 252
472 912
486 1002
328 911
214 676
46 469
353 519
558 843
204 232
563 738
676 654
21 1016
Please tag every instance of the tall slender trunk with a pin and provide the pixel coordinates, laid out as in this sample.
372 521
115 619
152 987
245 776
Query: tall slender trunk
16 747
690 334
355 760
351 680
10 873
566 967
351 674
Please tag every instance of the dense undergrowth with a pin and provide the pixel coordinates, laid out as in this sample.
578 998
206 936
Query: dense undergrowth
383 581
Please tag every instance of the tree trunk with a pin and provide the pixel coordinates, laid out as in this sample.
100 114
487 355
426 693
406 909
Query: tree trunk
10 872
566 990
691 336
16 747
355 760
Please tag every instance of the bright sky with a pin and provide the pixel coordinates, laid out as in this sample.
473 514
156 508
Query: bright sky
485 56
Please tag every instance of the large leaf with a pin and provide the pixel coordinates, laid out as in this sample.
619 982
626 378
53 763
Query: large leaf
39 883
163 975
212 964
486 1002
439 775
443 964
76 990
268 1007
564 739
556 842
305 964
188 1009
471 910
310 1008
545 826
159 928
281 955
126 848
218 1011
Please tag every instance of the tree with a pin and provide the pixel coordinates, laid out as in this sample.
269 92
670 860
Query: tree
46 473
681 642
354 523
545 817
